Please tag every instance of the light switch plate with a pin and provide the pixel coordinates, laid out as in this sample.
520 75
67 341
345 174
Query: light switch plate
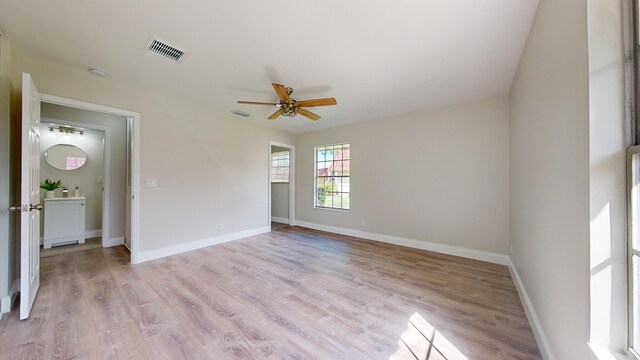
151 182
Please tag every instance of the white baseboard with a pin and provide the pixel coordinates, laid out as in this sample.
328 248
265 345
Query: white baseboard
280 219
7 301
538 331
417 244
87 235
113 241
198 244
92 233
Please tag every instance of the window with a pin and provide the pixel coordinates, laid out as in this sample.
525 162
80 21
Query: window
633 196
280 167
634 247
332 176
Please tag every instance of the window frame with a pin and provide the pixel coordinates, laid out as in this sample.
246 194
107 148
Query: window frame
633 174
274 167
631 39
315 178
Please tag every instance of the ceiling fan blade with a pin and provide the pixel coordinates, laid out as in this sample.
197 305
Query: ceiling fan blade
308 114
317 102
257 103
282 92
275 114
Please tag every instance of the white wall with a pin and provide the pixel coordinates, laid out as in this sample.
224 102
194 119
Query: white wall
439 175
86 177
280 201
607 175
550 174
215 165
117 126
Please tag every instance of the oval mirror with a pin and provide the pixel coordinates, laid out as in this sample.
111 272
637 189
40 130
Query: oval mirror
65 157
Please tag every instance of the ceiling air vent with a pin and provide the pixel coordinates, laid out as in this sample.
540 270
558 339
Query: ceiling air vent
240 113
165 50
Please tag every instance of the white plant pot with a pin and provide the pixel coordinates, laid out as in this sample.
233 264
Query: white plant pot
50 194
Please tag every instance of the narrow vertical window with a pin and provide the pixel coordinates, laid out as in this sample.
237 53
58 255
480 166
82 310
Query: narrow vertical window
633 192
333 176
634 247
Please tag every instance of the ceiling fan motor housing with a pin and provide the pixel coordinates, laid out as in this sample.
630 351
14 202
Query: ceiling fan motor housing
288 108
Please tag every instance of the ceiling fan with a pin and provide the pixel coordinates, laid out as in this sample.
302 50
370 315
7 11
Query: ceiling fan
290 107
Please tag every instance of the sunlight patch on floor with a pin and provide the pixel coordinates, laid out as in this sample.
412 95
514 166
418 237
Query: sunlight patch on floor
424 342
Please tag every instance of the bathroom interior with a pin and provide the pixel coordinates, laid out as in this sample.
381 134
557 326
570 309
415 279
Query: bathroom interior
85 156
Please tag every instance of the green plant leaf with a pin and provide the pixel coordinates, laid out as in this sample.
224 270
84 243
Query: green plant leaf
50 185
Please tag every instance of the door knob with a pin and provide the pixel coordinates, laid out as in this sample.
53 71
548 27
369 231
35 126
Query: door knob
35 207
15 208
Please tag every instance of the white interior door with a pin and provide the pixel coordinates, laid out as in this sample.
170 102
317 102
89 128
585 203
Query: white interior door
29 197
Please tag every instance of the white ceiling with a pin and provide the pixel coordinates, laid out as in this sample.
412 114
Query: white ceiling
377 57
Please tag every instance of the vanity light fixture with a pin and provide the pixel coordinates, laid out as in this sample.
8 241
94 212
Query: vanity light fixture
66 130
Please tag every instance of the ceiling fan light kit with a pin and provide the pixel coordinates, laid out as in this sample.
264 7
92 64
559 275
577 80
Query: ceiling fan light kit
290 107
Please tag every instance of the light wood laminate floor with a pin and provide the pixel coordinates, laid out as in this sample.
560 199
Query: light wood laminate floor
293 293
89 244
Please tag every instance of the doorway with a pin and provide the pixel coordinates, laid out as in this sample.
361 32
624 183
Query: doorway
120 171
281 184
97 184
72 166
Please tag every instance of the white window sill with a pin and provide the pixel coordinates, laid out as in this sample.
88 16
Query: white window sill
331 209
602 353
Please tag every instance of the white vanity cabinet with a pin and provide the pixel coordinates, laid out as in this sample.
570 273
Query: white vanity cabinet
64 221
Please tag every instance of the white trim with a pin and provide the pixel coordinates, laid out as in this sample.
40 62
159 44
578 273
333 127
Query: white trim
315 178
198 244
135 163
631 196
536 326
113 241
608 354
7 301
280 219
292 182
58 100
412 243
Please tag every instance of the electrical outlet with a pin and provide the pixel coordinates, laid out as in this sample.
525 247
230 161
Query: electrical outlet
162 183
361 222
221 227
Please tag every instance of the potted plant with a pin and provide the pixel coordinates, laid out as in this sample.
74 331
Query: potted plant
50 186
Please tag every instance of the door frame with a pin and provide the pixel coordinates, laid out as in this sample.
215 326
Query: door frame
106 172
292 181
135 161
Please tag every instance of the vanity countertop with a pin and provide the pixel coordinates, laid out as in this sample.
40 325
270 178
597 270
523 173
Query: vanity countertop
67 198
